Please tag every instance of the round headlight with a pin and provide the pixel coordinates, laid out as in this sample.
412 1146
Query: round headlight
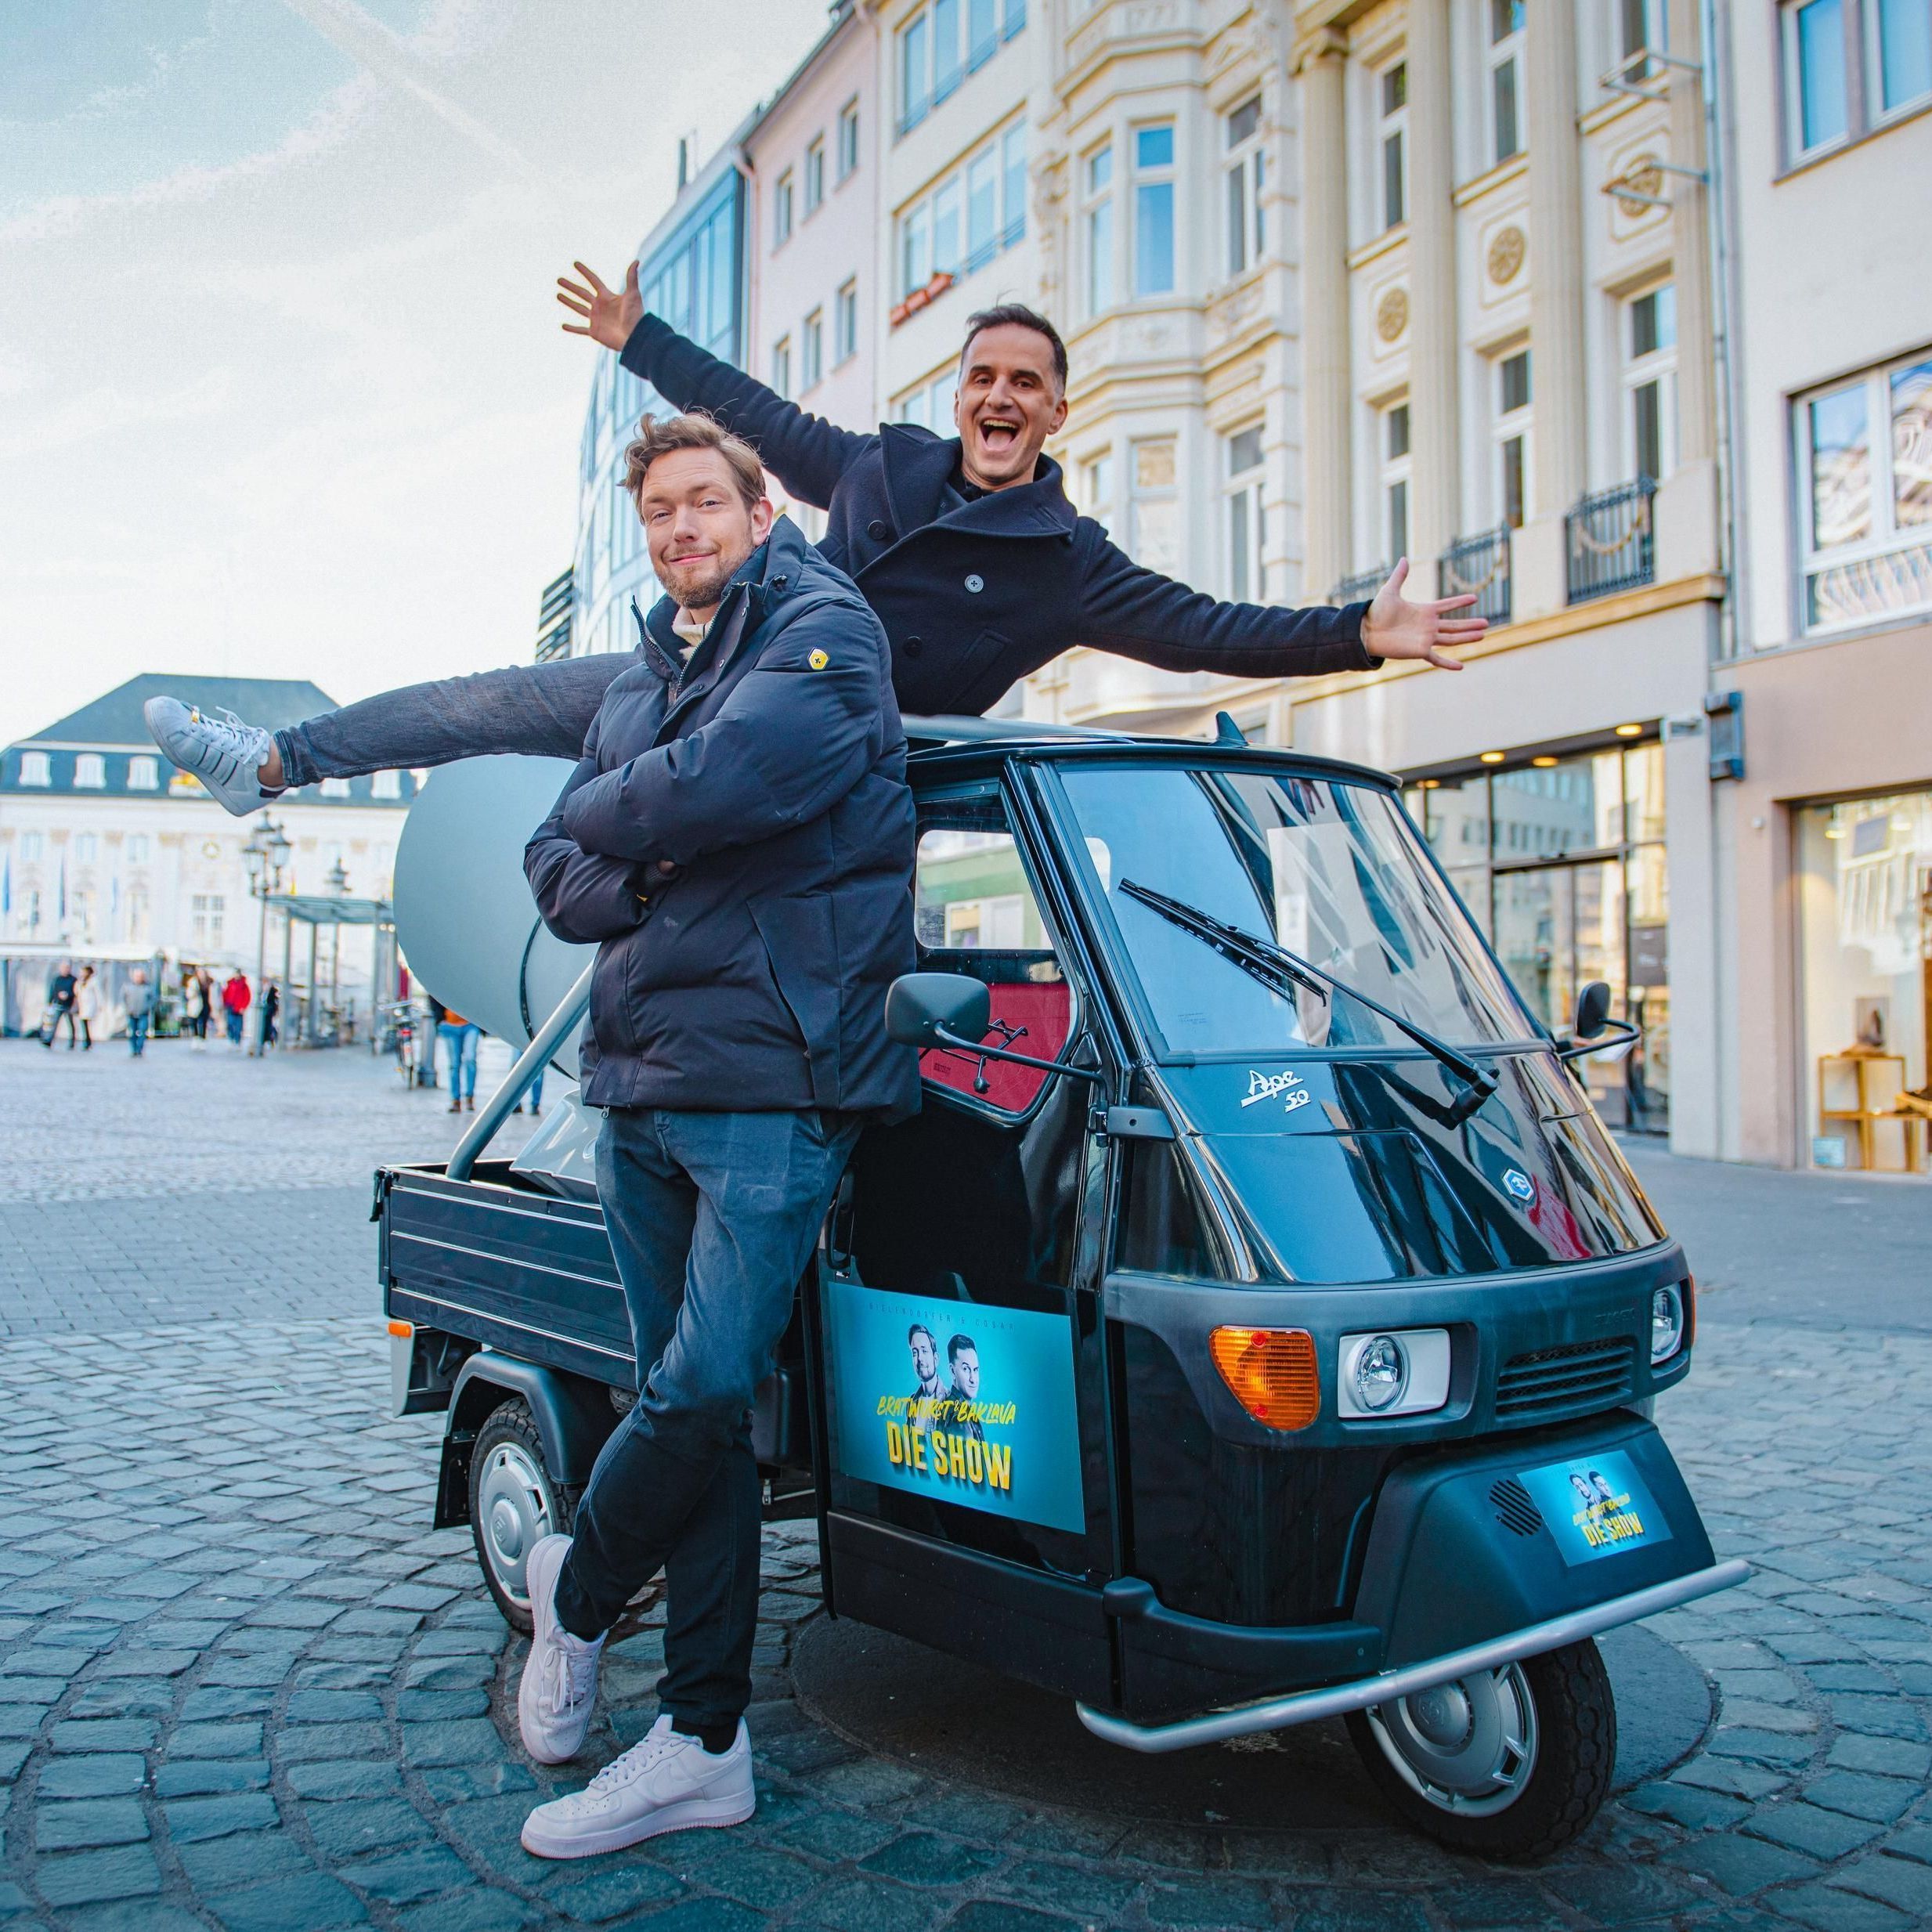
1380 1373
1667 1322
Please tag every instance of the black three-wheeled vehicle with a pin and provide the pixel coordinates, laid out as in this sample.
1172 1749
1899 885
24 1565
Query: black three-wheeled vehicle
1255 1325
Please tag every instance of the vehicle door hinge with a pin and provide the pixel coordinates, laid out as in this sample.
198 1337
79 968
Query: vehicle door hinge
1130 1123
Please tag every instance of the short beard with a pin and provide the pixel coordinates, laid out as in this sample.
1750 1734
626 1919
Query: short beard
709 591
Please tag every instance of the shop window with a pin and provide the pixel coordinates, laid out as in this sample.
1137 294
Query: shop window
1864 486
1154 209
1391 90
1866 936
1245 174
1247 518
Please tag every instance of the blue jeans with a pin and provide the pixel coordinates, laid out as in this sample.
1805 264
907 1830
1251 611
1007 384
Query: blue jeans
137 1033
462 1044
542 710
712 1218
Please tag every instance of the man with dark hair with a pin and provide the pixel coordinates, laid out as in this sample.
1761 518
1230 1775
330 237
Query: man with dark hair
966 548
962 1358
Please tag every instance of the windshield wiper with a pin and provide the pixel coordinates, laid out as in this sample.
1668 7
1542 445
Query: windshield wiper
1279 968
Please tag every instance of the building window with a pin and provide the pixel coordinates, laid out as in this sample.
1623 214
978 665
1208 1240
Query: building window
815 176
1392 86
812 350
845 324
1642 27
1650 380
916 71
930 404
335 788
1849 66
970 217
982 32
1506 22
135 849
1247 171
1154 209
86 848
1246 518
1155 540
36 768
944 41
144 775
848 139
386 785
782 211
1096 486
206 913
1898 50
1394 430
90 770
30 847
781 366
1512 437
1865 486
1099 176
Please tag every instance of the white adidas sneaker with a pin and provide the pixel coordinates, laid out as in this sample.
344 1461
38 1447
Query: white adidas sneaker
224 754
557 1694
665 1783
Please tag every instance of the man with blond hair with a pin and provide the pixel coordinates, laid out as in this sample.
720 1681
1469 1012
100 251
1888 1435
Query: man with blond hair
736 839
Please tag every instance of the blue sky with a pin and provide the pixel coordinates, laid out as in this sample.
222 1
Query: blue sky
282 391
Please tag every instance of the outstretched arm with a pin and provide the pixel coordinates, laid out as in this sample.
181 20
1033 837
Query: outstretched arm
541 710
1140 614
807 454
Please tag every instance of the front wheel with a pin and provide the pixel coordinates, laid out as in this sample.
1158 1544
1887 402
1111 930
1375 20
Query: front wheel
514 1501
1511 1762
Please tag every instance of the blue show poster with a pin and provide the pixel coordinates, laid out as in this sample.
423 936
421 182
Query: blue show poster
958 1401
1596 1506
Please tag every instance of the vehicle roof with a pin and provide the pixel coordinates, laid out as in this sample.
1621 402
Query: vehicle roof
956 747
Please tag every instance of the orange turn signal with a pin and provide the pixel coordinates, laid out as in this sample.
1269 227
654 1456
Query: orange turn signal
404 1328
1272 1372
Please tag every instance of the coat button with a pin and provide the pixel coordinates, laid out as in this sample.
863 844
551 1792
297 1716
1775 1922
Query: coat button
912 647
976 584
878 530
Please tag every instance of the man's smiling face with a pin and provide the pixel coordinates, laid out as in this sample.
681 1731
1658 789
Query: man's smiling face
1009 401
697 525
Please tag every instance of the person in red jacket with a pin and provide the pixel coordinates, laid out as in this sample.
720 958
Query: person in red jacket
236 995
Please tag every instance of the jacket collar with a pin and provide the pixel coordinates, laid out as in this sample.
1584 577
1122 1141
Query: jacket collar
917 465
769 575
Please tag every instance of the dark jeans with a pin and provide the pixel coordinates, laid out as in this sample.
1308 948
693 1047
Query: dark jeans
542 710
137 1033
712 1217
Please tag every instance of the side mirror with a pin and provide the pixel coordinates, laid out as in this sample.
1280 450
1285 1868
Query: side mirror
918 1005
1592 1010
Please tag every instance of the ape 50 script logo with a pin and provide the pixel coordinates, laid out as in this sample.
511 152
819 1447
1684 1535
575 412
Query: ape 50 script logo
1286 1087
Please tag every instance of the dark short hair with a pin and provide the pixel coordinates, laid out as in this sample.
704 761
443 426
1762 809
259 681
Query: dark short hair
958 1343
919 1328
1017 315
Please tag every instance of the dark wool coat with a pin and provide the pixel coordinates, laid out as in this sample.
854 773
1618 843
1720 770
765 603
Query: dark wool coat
976 597
770 771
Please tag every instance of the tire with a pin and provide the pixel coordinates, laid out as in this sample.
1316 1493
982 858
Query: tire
1509 1764
513 1501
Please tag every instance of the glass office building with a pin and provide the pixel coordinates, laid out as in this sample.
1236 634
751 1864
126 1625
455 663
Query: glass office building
694 278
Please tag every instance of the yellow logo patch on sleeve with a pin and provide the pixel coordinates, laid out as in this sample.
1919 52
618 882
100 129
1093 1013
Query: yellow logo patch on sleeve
818 660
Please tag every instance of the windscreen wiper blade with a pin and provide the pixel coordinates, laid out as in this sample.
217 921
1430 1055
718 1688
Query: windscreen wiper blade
1279 968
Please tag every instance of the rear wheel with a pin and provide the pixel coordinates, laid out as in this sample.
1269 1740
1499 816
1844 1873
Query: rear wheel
513 1501
1511 1762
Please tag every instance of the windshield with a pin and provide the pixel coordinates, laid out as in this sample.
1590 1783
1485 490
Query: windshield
1333 871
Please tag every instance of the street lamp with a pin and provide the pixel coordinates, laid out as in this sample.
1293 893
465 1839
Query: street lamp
263 857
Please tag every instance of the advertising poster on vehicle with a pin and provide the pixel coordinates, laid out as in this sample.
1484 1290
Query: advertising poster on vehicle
957 1401
1597 1507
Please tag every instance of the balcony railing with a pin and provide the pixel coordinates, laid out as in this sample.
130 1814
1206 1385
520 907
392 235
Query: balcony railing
1480 564
1361 587
1610 542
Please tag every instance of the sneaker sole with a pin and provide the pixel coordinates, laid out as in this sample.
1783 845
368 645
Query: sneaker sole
686 1815
526 1690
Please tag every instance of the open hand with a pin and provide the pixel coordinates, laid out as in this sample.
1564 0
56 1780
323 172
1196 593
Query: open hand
609 316
1394 627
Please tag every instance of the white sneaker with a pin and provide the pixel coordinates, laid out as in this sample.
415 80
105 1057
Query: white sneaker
224 754
665 1783
558 1691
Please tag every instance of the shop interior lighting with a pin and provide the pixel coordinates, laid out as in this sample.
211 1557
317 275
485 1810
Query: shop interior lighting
1543 763
1491 758
1629 730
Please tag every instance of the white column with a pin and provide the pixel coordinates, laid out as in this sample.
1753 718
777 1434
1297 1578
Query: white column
1689 243
1326 384
1556 253
1434 329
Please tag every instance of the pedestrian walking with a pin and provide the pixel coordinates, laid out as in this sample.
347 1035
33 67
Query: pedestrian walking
87 1009
197 1000
137 1002
60 1005
235 996
270 1006
460 1036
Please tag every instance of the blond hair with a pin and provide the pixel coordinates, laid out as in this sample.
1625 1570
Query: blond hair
693 429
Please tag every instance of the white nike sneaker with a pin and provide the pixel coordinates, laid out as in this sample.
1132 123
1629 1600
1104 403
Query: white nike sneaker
665 1783
558 1691
224 754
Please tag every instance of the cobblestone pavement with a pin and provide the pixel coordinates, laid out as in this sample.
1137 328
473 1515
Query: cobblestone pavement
243 1686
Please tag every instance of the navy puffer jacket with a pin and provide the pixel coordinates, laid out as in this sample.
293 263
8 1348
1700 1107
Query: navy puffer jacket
770 771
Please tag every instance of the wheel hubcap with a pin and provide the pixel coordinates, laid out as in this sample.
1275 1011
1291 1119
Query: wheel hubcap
1468 1747
513 1508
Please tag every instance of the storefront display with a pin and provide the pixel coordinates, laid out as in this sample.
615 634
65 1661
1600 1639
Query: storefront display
1865 885
1563 861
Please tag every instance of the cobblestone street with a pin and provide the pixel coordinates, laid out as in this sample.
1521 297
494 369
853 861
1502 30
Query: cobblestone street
242 1684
